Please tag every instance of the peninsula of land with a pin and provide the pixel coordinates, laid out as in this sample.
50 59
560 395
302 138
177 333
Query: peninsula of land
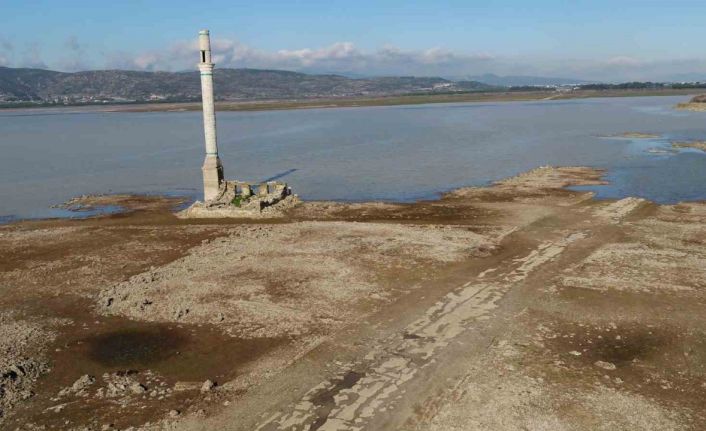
420 99
352 102
697 104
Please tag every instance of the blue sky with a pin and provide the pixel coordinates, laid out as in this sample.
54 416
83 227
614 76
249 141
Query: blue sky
608 40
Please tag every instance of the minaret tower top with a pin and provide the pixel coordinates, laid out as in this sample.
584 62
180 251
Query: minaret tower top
205 46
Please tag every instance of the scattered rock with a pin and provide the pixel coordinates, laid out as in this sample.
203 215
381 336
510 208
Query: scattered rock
207 386
57 408
605 365
21 358
138 388
79 385
186 386
174 413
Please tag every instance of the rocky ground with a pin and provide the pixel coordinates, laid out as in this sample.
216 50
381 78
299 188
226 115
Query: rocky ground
521 306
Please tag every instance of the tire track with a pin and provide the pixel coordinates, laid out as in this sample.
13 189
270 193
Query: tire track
360 391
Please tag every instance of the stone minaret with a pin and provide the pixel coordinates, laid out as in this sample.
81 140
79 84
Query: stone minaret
212 168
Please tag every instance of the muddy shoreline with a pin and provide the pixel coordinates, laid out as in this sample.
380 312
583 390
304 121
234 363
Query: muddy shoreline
151 307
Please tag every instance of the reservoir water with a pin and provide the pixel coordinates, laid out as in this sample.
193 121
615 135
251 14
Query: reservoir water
396 153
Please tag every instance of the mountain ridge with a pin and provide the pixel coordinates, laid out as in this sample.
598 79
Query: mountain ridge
101 86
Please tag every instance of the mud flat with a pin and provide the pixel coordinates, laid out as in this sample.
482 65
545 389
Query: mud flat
696 107
635 135
698 145
523 305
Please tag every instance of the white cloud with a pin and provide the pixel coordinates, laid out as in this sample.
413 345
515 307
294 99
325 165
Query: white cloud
337 57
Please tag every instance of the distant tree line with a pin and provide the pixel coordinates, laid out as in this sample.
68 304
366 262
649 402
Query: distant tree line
523 88
642 86
690 85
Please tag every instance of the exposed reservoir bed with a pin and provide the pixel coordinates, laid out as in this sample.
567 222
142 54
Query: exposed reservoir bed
534 296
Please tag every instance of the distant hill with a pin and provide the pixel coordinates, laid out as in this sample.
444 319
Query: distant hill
102 86
520 80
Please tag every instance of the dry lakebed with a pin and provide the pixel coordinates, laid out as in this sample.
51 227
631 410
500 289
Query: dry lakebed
518 306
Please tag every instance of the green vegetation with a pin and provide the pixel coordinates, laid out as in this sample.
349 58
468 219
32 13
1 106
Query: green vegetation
238 201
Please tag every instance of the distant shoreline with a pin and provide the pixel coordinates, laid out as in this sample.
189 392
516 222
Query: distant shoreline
350 102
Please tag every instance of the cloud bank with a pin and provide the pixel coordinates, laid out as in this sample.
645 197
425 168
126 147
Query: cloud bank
347 58
337 58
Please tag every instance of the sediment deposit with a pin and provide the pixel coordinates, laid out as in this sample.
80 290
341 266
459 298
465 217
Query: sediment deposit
698 145
522 305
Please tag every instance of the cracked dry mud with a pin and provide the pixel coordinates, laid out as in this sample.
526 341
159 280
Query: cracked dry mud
520 306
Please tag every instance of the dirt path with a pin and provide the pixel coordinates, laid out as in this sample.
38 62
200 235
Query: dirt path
371 388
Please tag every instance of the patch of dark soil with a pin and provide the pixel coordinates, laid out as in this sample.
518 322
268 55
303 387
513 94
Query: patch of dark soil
434 212
657 361
155 355
635 345
135 347
618 344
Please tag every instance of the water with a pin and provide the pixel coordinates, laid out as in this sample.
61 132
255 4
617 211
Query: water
397 153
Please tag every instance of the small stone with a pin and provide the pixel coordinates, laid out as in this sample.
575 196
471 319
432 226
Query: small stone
57 408
107 427
207 386
575 353
605 365
138 388
174 413
185 386
79 385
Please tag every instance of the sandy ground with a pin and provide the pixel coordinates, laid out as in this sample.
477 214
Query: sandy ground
520 306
